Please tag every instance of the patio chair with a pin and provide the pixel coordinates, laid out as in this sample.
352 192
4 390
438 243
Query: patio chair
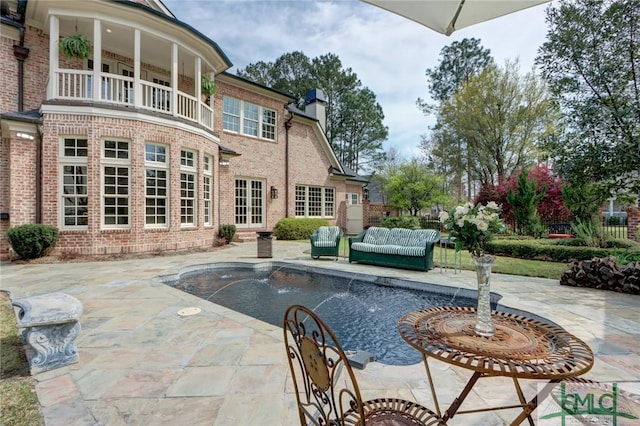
316 361
325 241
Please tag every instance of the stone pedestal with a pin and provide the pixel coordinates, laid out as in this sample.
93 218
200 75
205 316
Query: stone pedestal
49 324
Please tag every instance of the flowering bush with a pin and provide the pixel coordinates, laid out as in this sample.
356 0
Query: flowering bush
473 226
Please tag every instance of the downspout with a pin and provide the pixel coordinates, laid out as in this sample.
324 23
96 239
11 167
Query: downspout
21 53
39 175
287 126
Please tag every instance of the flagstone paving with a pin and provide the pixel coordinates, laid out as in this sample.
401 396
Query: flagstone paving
142 364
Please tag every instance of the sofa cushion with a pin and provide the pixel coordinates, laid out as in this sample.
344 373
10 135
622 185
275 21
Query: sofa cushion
386 249
420 237
411 251
399 236
364 247
376 235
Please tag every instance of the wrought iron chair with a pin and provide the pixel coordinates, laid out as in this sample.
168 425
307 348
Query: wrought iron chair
325 241
316 361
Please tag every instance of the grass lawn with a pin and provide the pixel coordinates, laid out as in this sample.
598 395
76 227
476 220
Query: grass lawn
19 405
503 265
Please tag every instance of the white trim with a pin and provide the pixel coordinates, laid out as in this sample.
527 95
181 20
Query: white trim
89 111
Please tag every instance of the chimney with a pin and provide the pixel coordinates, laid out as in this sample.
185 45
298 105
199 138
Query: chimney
315 106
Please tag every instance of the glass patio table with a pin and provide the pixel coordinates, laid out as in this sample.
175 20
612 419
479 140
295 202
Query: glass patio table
521 348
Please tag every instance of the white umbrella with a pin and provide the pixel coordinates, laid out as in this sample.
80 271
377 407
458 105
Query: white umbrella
446 16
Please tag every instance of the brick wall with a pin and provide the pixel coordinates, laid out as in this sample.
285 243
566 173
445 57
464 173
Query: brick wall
633 217
96 239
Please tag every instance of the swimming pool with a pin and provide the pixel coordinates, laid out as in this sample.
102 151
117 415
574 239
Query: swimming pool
363 310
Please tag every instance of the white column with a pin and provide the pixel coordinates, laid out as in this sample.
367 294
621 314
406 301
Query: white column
137 96
54 57
197 83
174 79
198 77
97 60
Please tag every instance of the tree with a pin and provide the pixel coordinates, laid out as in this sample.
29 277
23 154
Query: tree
502 116
459 61
354 125
524 201
592 63
551 206
289 73
413 188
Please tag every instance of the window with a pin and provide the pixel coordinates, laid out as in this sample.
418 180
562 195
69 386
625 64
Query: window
156 185
116 182
187 188
315 201
249 202
352 197
248 119
74 197
207 190
250 122
268 124
231 114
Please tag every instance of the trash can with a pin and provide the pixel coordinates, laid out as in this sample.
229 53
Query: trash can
265 244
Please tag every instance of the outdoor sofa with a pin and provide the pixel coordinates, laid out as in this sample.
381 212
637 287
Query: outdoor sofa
397 247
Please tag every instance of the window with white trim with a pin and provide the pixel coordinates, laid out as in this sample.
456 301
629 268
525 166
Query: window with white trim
352 197
315 201
73 171
116 169
249 203
156 161
188 169
248 119
207 191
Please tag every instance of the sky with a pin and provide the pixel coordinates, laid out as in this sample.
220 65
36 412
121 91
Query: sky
389 53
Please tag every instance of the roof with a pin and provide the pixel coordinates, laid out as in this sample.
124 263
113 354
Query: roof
179 23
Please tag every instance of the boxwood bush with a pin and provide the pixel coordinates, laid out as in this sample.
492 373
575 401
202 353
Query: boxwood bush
32 240
227 231
297 228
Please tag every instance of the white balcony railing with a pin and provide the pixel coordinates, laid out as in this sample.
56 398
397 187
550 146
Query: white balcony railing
206 116
74 84
156 97
120 90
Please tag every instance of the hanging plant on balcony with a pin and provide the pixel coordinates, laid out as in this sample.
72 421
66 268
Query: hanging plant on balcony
208 86
75 46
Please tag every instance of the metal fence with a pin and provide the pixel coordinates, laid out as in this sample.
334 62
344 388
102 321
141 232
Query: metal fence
614 227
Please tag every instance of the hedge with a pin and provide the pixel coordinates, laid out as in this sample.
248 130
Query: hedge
555 252
32 240
297 228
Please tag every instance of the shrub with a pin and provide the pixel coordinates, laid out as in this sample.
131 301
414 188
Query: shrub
33 240
227 231
405 221
297 228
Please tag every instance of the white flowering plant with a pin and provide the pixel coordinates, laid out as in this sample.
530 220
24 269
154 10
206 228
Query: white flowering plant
473 226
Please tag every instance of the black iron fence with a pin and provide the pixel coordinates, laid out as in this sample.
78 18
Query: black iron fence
614 227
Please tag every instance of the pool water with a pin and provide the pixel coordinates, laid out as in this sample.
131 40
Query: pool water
363 311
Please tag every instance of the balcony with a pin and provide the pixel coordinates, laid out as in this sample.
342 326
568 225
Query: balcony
122 90
141 57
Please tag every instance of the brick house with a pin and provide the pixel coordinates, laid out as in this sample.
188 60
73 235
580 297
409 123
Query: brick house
122 151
